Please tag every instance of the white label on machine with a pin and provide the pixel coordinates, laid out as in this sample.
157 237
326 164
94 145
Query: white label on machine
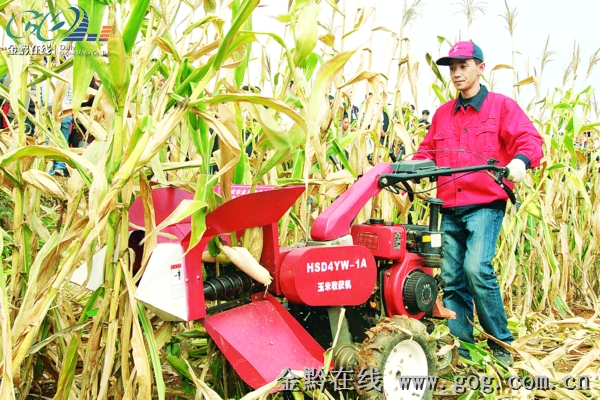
436 240
176 281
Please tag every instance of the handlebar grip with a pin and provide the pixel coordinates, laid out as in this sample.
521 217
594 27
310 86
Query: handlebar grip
510 194
506 172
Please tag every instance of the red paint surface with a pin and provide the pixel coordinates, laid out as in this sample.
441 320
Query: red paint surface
263 209
335 221
262 339
388 242
394 281
328 275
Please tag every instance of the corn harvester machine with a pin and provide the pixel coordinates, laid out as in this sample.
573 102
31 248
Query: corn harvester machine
379 273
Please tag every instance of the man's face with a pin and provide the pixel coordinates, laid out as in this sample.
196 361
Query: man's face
425 116
465 74
345 124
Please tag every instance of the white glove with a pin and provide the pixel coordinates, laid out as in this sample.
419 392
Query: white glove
516 170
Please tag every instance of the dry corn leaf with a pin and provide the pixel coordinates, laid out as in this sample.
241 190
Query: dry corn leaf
203 389
586 360
45 183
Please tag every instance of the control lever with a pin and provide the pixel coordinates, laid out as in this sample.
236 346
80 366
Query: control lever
310 201
440 281
498 176
434 213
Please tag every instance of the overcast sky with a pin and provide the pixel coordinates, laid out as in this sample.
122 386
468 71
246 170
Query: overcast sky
565 23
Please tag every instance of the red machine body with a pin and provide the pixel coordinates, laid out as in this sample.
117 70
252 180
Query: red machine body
261 338
383 241
335 221
328 275
395 280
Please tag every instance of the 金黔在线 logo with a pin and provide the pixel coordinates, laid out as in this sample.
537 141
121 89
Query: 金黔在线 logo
77 32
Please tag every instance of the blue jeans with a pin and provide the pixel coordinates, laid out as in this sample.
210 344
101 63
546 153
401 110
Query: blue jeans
469 246
65 128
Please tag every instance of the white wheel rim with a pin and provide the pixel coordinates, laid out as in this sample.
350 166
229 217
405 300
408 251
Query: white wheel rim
406 359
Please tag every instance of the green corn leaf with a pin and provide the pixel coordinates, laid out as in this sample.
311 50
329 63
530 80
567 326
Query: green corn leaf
76 161
296 138
204 194
298 159
185 87
240 71
179 366
242 170
183 210
346 140
334 6
134 24
191 334
154 356
342 156
305 33
309 65
435 69
439 93
200 22
48 73
99 66
3 65
243 38
239 19
83 67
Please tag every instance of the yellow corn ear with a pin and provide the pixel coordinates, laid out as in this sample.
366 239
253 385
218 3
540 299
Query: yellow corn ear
256 242
534 210
117 60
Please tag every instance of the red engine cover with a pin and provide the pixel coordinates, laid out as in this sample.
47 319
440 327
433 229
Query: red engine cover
328 275
394 282
388 242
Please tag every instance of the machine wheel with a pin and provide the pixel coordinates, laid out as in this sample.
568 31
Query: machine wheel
397 347
447 362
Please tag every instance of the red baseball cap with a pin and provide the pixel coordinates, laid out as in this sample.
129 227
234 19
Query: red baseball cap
462 51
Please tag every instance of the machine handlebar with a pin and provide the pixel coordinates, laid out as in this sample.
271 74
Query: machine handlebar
497 172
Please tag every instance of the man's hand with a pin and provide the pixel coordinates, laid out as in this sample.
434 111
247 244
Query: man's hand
516 170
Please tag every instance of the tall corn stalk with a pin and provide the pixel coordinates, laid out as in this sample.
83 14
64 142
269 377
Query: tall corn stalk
167 93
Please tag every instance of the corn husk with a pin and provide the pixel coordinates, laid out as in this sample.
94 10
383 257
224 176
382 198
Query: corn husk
241 258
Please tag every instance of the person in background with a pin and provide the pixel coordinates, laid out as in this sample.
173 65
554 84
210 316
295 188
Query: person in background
476 124
424 121
345 124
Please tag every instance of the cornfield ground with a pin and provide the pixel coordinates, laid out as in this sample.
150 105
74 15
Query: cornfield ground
167 92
